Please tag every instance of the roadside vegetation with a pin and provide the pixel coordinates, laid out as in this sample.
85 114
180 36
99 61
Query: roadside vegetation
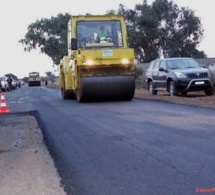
139 78
159 29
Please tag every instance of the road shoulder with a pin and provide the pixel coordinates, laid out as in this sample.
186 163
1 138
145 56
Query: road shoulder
25 164
192 98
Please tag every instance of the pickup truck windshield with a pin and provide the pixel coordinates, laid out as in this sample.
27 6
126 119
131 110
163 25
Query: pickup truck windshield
182 63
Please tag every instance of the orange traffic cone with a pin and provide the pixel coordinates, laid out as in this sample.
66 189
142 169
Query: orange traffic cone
3 107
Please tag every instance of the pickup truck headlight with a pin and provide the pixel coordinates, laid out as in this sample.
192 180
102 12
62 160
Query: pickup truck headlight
180 75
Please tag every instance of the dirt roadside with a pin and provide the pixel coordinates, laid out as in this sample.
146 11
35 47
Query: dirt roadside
25 164
192 98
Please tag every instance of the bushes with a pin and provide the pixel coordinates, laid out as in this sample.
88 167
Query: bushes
139 77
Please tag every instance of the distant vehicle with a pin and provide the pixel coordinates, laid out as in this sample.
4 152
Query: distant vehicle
14 84
22 82
3 83
34 79
178 76
18 83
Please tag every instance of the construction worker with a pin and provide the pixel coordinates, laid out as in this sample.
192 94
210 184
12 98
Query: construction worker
10 80
103 35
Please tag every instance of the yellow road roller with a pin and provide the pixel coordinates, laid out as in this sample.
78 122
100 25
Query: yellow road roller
34 79
99 65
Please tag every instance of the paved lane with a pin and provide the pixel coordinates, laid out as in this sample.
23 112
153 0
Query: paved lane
136 147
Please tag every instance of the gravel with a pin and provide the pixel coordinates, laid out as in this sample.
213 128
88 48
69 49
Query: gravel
192 98
25 164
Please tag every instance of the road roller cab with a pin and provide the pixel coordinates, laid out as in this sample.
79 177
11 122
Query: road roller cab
99 65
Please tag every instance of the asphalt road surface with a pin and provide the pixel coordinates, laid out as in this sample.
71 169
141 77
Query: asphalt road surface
135 147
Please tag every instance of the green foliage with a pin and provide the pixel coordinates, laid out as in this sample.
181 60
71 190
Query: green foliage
50 76
180 30
162 29
25 79
12 76
139 79
49 35
159 29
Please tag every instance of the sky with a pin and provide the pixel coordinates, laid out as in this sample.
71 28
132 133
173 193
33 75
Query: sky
15 16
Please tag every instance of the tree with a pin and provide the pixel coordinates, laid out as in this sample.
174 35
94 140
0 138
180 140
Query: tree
180 31
162 29
138 35
50 76
159 29
25 79
49 35
12 75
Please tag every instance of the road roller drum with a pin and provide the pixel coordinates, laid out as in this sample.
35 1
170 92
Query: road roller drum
106 88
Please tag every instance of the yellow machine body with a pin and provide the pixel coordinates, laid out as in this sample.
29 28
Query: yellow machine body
93 70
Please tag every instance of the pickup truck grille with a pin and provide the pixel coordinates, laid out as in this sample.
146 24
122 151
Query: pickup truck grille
197 75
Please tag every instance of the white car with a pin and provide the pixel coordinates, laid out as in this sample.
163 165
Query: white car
14 84
3 83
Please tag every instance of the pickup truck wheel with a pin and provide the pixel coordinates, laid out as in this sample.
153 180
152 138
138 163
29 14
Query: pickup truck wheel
209 91
173 91
151 89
